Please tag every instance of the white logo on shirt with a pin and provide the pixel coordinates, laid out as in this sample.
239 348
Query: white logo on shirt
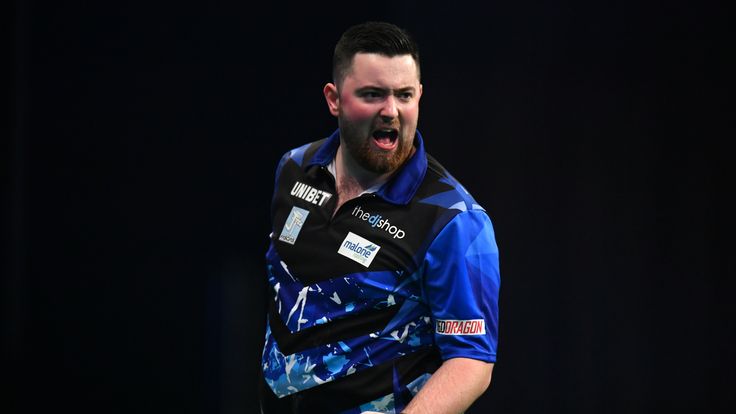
310 194
376 220
359 249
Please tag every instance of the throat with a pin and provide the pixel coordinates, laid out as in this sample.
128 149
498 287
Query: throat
348 188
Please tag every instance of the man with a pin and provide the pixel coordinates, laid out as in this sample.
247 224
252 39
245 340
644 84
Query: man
383 270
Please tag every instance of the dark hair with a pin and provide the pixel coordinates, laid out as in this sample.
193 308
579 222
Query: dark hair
371 37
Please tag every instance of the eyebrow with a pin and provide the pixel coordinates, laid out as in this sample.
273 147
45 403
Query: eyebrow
378 88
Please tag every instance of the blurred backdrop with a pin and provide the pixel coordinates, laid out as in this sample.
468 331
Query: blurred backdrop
138 169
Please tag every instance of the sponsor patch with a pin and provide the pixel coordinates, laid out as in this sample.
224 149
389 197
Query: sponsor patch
310 194
359 249
376 220
293 225
461 327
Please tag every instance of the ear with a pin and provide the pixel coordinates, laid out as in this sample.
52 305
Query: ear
421 90
332 96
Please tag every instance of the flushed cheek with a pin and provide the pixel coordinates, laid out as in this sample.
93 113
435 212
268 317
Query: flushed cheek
410 114
356 110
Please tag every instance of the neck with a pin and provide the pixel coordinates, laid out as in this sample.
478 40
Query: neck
352 177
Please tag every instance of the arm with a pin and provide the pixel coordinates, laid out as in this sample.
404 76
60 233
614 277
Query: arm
462 284
452 388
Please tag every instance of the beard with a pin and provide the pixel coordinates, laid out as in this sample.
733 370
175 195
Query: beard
358 145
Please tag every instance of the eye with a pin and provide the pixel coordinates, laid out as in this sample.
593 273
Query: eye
406 96
371 94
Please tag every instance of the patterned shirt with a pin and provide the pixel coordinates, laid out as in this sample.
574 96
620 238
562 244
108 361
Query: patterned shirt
366 304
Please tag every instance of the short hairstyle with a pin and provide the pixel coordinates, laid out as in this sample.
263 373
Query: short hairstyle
371 37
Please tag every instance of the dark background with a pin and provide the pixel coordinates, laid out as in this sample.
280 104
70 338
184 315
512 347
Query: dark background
144 136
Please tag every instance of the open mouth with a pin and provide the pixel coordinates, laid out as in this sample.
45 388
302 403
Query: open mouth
385 139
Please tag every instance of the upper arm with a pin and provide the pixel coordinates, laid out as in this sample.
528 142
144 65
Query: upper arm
462 283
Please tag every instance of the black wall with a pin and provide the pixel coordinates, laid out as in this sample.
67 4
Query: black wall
138 170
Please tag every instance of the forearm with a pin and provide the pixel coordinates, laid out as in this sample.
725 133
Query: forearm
452 388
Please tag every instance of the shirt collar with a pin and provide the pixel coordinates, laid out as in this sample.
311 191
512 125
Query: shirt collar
402 186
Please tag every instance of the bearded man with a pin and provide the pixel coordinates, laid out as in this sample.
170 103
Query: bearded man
383 270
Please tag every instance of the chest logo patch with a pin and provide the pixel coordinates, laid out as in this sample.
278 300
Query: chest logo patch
358 249
293 225
310 194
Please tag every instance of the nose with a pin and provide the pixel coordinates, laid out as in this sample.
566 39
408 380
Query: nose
389 111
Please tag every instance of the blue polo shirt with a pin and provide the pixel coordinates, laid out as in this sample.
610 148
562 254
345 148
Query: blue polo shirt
367 303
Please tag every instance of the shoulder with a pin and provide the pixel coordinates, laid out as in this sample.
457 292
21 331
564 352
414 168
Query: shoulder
302 153
299 155
443 190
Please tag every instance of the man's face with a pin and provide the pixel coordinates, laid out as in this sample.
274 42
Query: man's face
377 107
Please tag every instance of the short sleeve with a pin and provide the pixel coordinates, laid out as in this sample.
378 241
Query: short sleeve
462 283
